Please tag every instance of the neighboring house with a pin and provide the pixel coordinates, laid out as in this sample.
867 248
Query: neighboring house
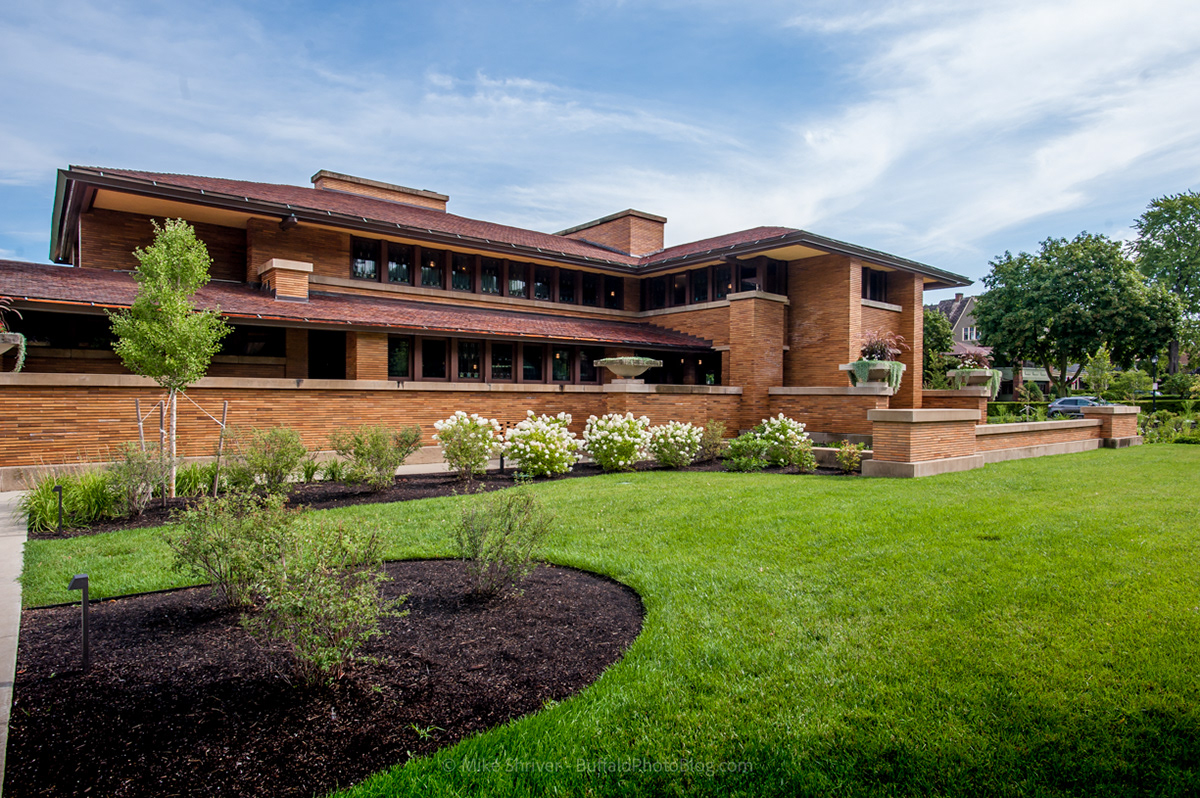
961 313
359 300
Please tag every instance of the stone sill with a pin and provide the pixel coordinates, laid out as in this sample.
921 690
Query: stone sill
719 390
931 416
970 390
1034 426
871 303
864 390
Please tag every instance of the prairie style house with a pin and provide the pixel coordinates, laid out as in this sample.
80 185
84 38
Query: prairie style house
356 300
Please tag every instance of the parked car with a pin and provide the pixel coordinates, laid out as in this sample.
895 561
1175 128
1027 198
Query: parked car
1071 406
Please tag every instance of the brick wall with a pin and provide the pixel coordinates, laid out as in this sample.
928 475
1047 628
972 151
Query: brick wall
366 356
908 291
297 354
824 320
365 190
755 354
109 238
327 250
967 399
834 415
631 234
710 323
286 283
910 443
1036 434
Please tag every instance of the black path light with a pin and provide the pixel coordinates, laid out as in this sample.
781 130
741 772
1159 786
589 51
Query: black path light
80 582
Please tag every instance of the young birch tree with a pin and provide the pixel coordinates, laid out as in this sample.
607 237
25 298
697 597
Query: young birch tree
163 335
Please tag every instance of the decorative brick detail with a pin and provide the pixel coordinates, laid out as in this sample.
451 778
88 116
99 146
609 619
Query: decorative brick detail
327 250
755 353
366 356
110 237
824 320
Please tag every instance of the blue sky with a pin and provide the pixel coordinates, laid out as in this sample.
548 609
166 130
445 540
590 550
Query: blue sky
947 132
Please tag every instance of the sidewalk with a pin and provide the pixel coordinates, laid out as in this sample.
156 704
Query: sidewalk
12 549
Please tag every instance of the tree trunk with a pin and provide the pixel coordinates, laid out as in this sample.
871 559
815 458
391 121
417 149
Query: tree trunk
1173 357
174 402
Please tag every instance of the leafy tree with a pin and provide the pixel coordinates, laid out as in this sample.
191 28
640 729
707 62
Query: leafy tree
1057 306
162 335
938 338
1099 371
1168 249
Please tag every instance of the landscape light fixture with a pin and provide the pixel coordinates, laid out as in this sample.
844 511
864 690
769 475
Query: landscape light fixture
288 222
80 582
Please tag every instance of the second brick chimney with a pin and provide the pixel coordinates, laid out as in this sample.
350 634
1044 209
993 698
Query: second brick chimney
349 184
629 231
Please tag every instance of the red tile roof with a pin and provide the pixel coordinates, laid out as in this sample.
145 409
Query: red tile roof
751 236
107 289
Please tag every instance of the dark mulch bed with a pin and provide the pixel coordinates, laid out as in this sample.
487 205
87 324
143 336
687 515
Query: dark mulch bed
181 701
323 495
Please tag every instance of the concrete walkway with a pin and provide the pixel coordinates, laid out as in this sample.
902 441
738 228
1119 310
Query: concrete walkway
12 552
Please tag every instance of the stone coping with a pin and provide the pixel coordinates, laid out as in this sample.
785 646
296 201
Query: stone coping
858 390
874 303
285 265
970 390
930 416
1110 410
1035 426
921 468
242 383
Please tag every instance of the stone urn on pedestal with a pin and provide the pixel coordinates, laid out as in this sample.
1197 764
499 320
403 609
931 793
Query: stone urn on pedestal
628 369
877 364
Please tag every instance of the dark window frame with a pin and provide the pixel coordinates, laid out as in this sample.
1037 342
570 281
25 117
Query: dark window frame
369 243
482 355
411 357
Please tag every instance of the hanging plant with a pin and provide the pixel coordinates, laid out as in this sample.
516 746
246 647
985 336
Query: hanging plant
9 337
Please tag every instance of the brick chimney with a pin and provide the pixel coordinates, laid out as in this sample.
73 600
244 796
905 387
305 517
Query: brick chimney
286 279
349 184
629 231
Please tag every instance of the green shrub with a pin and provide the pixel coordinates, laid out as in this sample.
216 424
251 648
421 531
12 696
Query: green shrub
189 480
374 452
746 452
268 456
787 442
135 475
849 456
231 541
321 600
39 504
334 470
712 442
90 498
675 444
496 536
1193 438
468 442
309 468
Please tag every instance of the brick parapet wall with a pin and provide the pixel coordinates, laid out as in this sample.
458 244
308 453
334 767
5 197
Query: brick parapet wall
835 415
964 399
1116 421
996 437
49 419
910 443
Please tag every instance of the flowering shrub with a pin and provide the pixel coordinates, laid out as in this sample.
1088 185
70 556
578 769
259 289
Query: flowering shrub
468 442
882 345
974 360
849 456
542 445
616 442
675 444
787 442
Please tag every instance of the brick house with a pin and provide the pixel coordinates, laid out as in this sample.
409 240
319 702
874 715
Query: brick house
359 300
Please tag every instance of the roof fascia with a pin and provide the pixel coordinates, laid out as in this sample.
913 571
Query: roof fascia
156 189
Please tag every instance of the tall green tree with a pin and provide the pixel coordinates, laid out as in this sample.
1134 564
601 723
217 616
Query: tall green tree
1059 305
938 338
163 335
1168 250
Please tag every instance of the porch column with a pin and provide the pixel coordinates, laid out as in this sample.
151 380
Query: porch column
366 356
756 331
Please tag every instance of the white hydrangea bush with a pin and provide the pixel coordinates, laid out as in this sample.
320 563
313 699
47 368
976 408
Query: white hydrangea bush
616 442
675 444
468 442
787 443
542 446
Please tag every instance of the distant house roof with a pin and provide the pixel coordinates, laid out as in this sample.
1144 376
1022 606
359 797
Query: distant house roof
99 288
381 216
953 309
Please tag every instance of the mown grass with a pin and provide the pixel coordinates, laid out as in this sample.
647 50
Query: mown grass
1032 628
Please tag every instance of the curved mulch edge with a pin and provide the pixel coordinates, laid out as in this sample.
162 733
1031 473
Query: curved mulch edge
181 701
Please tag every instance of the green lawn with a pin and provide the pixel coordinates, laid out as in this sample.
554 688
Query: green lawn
1031 628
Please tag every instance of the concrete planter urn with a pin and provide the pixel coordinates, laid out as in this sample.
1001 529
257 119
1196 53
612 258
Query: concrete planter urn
875 372
963 378
628 367
10 339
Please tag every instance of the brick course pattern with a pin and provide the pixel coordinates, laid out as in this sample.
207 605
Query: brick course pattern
109 238
327 250
954 400
824 320
1081 431
710 323
835 415
633 235
911 443
755 354
332 183
907 290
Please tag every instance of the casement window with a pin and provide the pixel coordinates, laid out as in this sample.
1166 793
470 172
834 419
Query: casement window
566 286
532 365
699 282
400 353
434 354
462 272
590 283
470 360
656 293
502 362
518 279
400 263
749 278
970 334
874 284
543 277
560 364
491 273
614 293
433 268
364 259
722 281
679 289
587 364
